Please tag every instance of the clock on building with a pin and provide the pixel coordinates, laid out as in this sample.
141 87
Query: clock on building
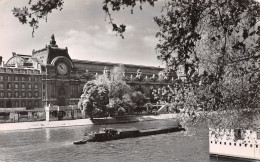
62 68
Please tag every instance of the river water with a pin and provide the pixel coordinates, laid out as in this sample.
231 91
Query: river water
56 144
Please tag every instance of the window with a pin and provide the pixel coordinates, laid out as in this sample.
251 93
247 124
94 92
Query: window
43 86
9 78
17 94
9 86
1 85
29 103
33 79
29 79
257 133
16 104
16 86
23 94
36 94
238 134
29 86
1 103
36 86
16 78
36 103
9 94
23 104
2 94
23 86
23 78
30 94
1 78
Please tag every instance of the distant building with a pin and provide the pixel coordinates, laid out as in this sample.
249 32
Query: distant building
50 76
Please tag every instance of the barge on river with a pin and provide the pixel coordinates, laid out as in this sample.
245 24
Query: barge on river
108 134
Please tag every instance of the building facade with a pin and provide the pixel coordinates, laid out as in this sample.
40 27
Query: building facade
50 76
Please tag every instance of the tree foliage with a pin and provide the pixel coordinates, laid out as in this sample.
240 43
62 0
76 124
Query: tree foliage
95 96
36 12
220 40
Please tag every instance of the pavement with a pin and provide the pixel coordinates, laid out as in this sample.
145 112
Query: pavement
67 123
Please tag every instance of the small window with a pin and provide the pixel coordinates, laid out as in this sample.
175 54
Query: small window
23 86
36 86
16 78
23 78
1 78
2 94
23 104
30 86
251 145
210 141
256 146
225 143
1 85
220 142
245 145
23 94
16 86
240 144
215 142
235 144
9 94
230 144
238 134
29 79
16 104
29 94
8 85
258 135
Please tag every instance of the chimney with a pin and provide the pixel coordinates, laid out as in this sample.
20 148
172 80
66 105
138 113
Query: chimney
1 59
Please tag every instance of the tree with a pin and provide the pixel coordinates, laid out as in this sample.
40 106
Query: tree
221 38
95 96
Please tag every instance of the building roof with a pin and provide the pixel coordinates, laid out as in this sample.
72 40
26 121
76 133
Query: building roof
113 64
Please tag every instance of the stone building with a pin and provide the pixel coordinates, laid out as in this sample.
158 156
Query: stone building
50 76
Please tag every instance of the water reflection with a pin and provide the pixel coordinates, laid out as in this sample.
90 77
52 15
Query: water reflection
55 144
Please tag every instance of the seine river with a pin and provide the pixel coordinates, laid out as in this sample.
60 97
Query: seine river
56 144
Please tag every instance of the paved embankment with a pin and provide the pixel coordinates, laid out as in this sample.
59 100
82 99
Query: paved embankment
67 123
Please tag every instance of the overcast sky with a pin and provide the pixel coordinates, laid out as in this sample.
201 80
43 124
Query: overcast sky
81 27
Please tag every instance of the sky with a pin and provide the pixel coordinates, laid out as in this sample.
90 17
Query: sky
81 27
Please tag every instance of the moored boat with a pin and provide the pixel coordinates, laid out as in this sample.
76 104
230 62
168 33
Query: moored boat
108 134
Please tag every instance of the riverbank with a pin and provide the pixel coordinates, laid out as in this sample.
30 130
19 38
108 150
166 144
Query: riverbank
68 123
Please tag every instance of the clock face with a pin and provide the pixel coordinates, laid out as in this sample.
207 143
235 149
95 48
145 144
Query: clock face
62 68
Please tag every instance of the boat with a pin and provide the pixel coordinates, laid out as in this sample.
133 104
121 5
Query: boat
234 144
108 134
